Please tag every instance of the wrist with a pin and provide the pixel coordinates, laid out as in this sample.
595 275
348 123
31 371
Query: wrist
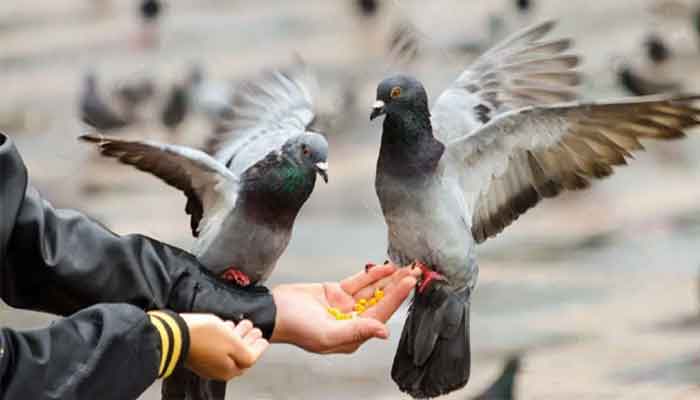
278 332
174 340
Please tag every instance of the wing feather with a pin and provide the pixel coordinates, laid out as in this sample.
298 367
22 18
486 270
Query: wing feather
515 160
520 71
210 188
267 112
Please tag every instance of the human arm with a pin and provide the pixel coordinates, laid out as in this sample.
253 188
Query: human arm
60 261
105 351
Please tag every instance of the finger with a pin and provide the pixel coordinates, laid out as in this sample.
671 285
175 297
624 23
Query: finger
230 325
392 300
243 328
362 279
253 335
386 282
259 346
415 271
356 330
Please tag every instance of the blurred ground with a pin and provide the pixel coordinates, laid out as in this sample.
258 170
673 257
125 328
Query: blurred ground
599 289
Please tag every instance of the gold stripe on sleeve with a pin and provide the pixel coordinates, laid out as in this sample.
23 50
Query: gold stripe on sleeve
177 341
165 342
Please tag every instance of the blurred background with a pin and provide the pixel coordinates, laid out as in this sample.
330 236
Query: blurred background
597 290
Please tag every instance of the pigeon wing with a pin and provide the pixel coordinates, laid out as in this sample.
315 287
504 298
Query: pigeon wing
521 71
211 189
267 113
511 163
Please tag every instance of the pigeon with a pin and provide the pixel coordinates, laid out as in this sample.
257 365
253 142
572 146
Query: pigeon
136 92
503 388
150 10
96 112
176 108
656 49
367 8
640 86
210 98
243 200
505 135
133 94
523 6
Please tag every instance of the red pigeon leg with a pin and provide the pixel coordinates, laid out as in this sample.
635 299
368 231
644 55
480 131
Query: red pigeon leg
232 274
429 276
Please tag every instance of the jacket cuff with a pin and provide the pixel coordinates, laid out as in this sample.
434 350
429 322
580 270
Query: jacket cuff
206 293
174 340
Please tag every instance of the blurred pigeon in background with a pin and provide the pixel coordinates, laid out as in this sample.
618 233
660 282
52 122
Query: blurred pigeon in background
640 86
211 99
132 94
367 8
242 201
176 107
504 136
94 111
150 12
503 388
656 50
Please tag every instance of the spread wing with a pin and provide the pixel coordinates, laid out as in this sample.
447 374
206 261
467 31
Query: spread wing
267 112
521 71
210 188
520 157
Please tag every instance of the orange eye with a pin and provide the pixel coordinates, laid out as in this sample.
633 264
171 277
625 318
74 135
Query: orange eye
395 92
306 151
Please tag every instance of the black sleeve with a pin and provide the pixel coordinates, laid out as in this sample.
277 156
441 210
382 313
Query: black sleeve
60 261
111 351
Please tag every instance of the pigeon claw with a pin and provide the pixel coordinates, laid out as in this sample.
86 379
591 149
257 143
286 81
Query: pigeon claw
429 275
234 275
369 266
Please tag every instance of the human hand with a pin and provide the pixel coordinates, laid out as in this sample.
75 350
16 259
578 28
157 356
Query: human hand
302 309
220 349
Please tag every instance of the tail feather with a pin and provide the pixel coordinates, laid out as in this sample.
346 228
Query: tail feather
433 357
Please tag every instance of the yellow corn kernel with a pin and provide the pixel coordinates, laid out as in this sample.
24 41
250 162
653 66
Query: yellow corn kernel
372 302
378 294
362 302
359 308
334 311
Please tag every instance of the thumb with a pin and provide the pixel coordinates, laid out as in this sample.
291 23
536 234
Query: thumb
358 330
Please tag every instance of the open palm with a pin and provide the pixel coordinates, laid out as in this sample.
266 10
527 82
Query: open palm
302 309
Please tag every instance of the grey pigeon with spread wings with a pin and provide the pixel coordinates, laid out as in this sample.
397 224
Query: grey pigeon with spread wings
244 200
504 136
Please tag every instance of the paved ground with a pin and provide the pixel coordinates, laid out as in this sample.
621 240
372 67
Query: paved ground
598 289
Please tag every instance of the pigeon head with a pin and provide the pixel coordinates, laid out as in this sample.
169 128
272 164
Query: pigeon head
310 150
400 95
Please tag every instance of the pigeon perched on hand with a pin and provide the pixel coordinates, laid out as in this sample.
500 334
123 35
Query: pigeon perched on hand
504 136
244 200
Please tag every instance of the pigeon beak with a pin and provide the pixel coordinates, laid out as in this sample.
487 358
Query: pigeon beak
377 109
322 169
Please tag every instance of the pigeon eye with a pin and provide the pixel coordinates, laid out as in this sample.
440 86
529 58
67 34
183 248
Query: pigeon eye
305 150
395 92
